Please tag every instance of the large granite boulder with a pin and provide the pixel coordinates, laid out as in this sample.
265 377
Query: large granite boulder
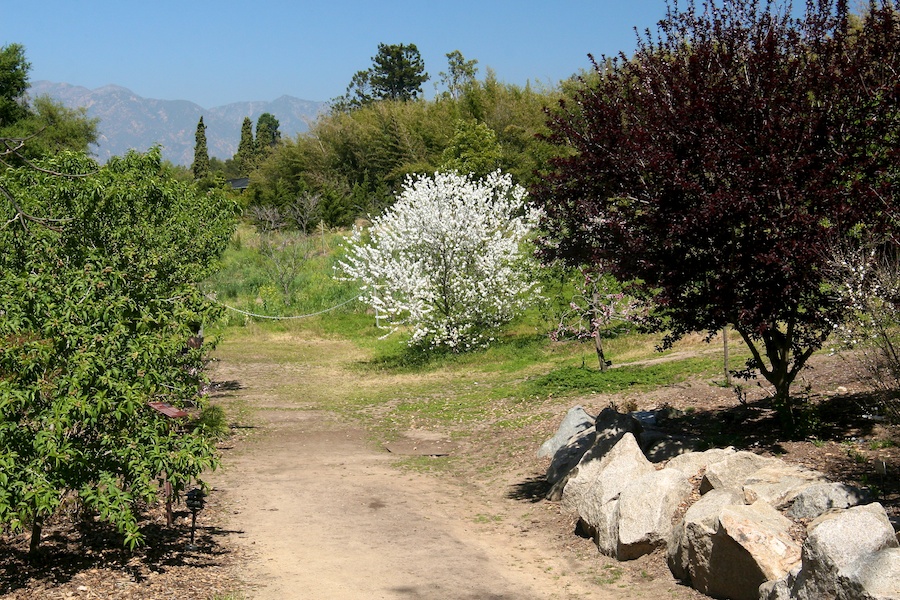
689 552
733 470
819 498
594 487
588 446
691 463
778 483
645 511
848 554
575 421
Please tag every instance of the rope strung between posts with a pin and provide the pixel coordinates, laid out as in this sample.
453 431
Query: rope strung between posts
250 314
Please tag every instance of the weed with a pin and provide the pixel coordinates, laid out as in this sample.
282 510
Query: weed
612 575
880 444
483 518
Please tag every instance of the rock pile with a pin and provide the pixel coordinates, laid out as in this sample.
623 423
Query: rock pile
724 518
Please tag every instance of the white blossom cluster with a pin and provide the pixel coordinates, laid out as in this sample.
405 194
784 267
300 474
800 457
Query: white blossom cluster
446 260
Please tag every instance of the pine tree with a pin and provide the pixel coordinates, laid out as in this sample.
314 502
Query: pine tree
200 166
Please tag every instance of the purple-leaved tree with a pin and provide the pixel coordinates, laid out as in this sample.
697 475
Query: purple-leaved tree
719 163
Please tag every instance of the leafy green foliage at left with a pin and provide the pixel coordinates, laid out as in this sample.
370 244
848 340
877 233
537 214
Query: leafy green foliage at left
97 306
48 126
13 83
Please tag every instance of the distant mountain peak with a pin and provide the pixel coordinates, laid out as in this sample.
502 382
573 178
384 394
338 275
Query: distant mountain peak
128 120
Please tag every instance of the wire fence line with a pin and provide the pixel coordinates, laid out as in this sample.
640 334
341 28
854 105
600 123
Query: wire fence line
258 316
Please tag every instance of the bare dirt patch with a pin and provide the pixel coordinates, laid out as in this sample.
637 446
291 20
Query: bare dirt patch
311 505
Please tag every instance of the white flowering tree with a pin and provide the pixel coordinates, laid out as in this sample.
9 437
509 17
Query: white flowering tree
447 260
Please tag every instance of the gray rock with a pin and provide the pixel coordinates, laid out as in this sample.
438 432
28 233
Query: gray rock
566 459
609 428
839 551
779 589
575 421
752 545
691 463
592 492
659 446
611 425
732 471
778 483
879 577
645 510
819 498
688 554
727 550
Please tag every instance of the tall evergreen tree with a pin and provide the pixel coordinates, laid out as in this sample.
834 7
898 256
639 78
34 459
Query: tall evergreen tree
200 166
267 133
398 72
245 156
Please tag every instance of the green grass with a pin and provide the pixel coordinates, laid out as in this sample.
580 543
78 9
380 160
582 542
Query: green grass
341 359
568 381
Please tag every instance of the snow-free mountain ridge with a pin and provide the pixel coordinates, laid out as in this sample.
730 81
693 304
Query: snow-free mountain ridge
130 121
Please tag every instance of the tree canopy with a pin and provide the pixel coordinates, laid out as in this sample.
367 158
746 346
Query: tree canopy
13 84
200 166
397 73
718 164
47 125
98 301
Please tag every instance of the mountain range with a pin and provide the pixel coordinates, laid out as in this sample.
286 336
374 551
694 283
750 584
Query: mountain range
131 121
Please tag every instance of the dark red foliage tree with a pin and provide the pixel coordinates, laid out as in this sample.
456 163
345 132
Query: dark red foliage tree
719 163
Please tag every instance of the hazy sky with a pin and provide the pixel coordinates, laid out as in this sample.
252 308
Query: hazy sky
217 52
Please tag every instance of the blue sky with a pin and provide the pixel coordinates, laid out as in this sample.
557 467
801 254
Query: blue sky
217 52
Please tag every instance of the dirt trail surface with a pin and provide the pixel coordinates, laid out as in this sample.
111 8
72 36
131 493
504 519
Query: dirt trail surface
321 511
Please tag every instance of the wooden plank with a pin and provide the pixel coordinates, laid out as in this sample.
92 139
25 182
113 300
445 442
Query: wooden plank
168 410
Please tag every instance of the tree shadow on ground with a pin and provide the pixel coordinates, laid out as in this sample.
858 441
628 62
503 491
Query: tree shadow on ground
70 548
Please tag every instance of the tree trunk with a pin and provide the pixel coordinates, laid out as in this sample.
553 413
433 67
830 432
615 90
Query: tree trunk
37 527
598 345
784 365
725 358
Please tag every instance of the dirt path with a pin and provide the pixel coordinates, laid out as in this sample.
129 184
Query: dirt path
322 513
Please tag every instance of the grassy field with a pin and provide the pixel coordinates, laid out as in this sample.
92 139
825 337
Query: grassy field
395 387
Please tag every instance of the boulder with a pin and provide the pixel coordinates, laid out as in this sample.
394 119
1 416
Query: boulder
879 577
691 463
611 425
565 460
593 491
609 428
732 471
659 446
819 498
778 483
575 421
841 553
750 545
644 512
688 554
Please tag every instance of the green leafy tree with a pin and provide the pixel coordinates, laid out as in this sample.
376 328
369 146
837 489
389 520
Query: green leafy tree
47 125
474 150
267 132
98 300
460 74
245 157
398 72
200 166
13 84
50 127
721 163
